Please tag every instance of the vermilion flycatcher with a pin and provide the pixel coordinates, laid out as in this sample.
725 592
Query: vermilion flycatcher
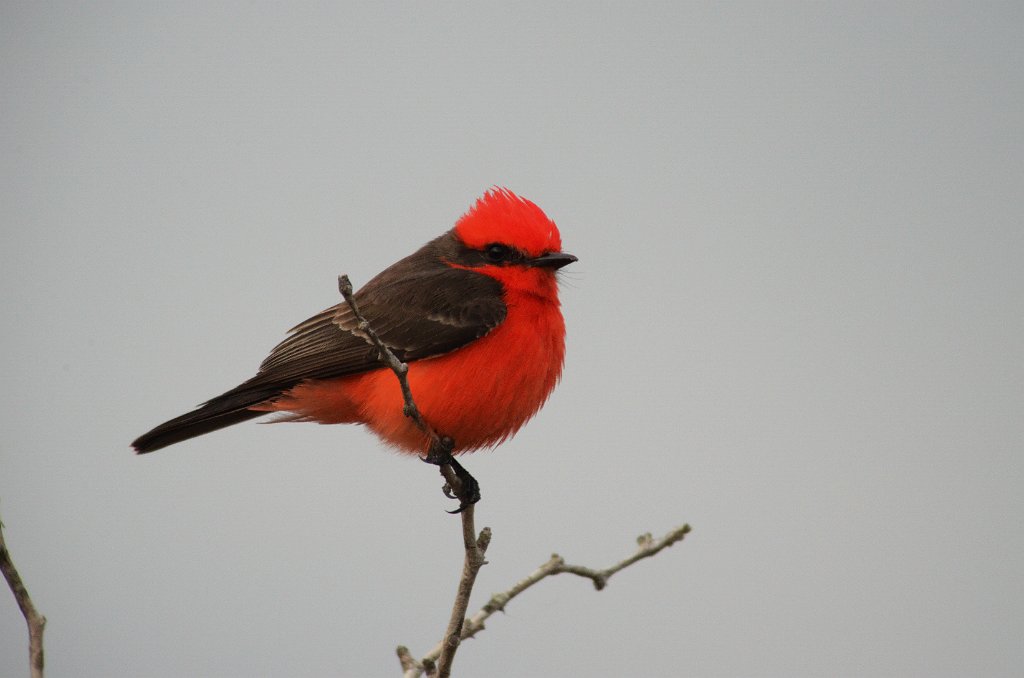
474 312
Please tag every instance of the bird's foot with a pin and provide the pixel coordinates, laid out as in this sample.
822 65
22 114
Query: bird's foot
465 488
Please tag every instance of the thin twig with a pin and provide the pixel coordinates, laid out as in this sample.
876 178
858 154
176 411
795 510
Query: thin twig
35 621
440 664
388 357
647 547
405 657
476 547
440 446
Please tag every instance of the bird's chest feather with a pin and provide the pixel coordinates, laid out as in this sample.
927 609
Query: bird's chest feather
486 390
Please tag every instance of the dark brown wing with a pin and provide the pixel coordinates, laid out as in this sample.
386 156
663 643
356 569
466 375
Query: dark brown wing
420 307
417 316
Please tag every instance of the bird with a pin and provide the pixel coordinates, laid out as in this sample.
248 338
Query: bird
475 314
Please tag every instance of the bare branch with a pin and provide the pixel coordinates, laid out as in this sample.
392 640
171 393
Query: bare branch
476 547
441 447
400 369
439 662
35 621
408 662
647 547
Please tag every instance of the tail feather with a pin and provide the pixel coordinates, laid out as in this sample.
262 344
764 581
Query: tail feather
222 411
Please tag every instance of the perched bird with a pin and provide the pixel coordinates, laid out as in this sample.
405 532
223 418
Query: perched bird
474 312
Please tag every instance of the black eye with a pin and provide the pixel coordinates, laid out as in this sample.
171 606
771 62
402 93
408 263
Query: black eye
497 252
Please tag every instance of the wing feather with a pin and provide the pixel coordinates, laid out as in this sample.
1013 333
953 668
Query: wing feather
417 316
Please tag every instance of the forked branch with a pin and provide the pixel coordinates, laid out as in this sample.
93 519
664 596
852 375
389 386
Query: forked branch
647 547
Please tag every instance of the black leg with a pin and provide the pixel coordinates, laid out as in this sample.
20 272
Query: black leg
468 492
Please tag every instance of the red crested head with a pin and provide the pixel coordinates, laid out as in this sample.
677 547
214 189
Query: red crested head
501 216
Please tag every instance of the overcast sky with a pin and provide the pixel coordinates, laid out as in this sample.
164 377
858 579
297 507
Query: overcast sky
796 324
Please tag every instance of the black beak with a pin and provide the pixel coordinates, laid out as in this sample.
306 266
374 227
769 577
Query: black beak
553 260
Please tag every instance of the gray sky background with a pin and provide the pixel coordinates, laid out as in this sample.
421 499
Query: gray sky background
796 324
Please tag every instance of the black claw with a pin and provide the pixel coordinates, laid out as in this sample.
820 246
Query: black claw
469 492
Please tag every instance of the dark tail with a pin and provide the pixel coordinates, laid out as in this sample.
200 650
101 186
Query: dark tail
224 410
